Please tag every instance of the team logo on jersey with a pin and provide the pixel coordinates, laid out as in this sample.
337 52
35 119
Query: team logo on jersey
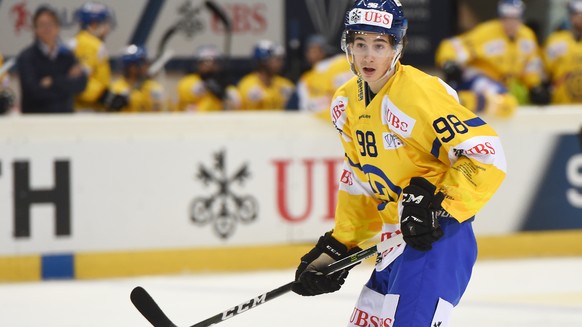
391 141
338 112
399 122
370 17
494 48
347 178
574 85
222 207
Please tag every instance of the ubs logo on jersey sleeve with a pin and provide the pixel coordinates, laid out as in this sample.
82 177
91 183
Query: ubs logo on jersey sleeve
391 141
338 112
399 122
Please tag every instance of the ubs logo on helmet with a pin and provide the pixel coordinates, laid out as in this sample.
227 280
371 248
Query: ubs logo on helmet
370 17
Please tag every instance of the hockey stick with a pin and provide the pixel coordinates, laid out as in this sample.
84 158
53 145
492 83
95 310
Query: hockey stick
223 17
7 65
154 314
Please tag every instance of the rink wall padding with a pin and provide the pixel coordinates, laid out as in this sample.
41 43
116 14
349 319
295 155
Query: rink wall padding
187 261
106 195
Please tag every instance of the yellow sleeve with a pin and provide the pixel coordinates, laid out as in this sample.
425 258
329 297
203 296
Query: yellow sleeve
534 69
357 218
468 146
453 49
154 96
245 88
93 56
186 95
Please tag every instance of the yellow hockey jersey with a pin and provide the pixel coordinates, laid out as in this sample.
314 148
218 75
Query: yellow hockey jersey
414 126
563 59
317 85
93 55
486 49
3 77
147 97
255 95
194 96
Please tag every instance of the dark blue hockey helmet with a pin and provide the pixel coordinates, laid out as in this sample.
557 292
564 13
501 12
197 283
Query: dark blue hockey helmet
510 8
93 12
266 49
377 16
134 55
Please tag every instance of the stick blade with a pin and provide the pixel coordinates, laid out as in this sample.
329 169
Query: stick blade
146 305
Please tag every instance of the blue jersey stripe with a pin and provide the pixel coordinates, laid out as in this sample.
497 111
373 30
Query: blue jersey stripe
475 122
353 164
436 147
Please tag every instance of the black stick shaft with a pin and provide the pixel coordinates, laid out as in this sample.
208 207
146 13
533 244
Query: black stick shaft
243 307
154 314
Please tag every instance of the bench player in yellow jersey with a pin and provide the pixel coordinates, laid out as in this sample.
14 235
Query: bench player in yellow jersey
563 58
317 85
89 47
207 89
417 163
143 93
265 88
496 65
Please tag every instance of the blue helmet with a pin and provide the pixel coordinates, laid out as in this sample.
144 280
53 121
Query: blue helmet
575 7
266 49
134 54
93 12
510 8
377 16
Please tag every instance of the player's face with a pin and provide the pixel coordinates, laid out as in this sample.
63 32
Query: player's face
576 20
47 29
275 64
373 55
314 54
510 26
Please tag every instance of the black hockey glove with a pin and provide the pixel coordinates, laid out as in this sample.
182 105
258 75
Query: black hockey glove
309 280
419 224
114 101
540 94
453 74
6 100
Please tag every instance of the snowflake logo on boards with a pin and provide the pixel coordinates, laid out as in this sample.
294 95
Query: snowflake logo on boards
189 22
223 208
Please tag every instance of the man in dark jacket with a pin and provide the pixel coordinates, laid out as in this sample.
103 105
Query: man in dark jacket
50 75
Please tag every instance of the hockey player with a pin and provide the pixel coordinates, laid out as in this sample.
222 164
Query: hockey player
328 72
563 58
143 93
417 163
265 89
88 45
207 88
494 63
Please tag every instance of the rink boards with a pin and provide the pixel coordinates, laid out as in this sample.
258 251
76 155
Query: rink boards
90 196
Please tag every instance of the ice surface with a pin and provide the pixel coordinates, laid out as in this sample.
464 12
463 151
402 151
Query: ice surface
513 293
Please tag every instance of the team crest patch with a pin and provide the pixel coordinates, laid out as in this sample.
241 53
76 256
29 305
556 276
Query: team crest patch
391 141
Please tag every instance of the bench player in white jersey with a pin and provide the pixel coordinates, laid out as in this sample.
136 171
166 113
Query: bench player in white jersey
416 163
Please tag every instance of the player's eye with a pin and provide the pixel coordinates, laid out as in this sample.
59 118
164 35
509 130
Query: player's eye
379 47
360 45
